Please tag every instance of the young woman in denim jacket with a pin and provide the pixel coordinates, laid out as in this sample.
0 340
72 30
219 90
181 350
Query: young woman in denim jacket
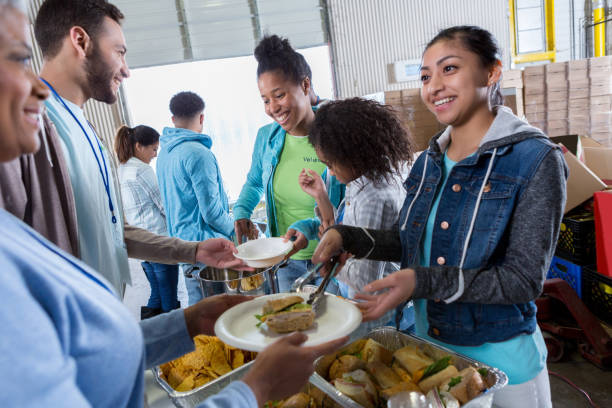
281 151
479 224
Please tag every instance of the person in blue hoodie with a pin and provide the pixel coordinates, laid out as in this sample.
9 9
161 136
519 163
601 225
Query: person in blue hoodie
281 152
190 182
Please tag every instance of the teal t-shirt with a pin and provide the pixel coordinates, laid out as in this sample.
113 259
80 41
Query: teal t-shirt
521 358
292 204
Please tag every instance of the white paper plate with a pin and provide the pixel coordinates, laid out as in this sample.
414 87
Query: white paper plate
237 326
263 252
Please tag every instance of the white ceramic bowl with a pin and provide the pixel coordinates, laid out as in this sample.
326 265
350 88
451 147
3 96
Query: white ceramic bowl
263 252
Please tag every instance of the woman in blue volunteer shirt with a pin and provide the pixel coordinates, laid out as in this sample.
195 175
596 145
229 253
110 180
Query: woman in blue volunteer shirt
281 152
479 224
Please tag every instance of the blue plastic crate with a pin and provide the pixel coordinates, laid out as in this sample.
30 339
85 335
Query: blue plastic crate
569 272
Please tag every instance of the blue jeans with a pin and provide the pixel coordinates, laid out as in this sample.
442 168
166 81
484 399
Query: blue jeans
163 280
296 268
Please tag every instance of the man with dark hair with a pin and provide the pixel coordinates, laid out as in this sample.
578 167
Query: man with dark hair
190 182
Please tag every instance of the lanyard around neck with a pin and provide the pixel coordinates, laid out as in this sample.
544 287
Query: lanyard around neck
103 172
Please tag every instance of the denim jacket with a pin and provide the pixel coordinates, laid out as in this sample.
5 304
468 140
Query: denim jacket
506 171
266 155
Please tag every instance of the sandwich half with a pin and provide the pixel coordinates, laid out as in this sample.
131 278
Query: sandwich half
287 314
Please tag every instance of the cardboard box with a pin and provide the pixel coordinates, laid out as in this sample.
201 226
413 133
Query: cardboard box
556 95
600 62
578 75
535 108
538 124
582 181
579 129
579 93
601 124
557 123
599 159
582 103
560 131
602 137
600 89
578 65
557 115
421 117
605 101
556 67
536 117
558 105
512 79
536 99
534 70
579 84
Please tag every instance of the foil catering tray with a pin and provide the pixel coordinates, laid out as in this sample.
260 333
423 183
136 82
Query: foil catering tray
190 399
393 340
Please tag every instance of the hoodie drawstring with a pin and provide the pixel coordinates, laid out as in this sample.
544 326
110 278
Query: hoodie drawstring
417 193
461 286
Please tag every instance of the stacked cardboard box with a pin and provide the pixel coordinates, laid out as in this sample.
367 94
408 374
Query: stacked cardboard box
578 109
535 96
420 122
600 99
512 89
557 92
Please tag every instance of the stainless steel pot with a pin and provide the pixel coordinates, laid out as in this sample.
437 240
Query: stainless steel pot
258 282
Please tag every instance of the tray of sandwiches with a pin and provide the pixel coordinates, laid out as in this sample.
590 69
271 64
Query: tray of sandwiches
192 378
387 368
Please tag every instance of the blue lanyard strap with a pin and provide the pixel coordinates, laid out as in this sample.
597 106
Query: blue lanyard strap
103 173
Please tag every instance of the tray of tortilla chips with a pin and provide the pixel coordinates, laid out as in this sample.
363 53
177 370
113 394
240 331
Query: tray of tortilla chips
192 378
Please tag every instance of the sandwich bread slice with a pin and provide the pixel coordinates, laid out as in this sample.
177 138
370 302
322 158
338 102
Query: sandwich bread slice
287 314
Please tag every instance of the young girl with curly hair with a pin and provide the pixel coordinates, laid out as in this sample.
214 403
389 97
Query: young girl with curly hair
364 144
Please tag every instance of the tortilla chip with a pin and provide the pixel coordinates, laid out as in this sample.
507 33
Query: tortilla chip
187 384
210 360
218 362
237 359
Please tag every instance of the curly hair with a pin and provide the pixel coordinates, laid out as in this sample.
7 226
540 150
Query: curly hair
274 53
363 135
185 105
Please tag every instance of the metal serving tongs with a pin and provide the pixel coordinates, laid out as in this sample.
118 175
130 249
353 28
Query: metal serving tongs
318 296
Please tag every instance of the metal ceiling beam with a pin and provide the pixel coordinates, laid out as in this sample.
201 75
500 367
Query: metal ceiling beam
184 29
255 22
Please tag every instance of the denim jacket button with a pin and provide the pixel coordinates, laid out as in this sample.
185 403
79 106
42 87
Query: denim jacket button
456 188
444 225
435 331
441 260
487 188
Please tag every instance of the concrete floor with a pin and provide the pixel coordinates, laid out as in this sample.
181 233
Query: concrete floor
597 383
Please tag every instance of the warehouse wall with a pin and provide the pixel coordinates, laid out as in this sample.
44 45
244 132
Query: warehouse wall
104 118
368 36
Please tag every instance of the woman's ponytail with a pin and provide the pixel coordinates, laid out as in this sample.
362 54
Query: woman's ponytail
124 147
